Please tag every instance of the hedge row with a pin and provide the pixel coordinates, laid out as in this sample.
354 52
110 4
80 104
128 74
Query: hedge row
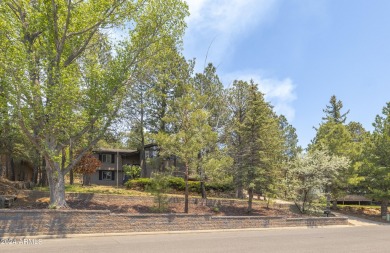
178 184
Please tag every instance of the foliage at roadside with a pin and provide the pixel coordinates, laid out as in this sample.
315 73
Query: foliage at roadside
312 175
65 78
254 141
376 165
132 171
178 184
66 86
158 188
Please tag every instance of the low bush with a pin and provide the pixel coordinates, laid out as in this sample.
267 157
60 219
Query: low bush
158 188
138 184
194 186
219 187
178 184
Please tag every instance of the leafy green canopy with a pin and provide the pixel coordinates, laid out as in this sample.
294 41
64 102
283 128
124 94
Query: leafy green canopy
340 139
254 140
66 78
376 169
312 174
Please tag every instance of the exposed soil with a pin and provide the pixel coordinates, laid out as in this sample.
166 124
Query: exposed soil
143 205
373 214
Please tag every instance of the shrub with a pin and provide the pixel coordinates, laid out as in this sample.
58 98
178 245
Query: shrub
132 171
138 184
219 187
176 183
158 188
194 186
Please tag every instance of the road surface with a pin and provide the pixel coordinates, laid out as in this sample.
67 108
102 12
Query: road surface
329 239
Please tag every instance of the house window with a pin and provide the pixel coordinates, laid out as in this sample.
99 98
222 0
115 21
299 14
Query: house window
106 175
107 158
151 152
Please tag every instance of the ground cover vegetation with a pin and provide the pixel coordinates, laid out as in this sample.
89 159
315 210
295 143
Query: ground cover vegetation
75 75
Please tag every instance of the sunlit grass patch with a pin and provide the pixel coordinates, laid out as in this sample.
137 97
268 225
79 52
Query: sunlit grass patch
101 189
360 206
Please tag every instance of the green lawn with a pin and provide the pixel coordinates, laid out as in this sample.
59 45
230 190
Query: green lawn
98 189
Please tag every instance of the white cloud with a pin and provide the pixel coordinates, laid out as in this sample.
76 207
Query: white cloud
228 16
279 92
219 23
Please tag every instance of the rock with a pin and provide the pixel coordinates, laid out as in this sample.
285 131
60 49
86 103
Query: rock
6 201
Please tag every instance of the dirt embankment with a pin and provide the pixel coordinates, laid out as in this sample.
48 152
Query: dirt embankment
142 205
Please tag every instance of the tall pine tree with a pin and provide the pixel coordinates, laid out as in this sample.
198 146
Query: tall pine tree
257 157
333 111
376 171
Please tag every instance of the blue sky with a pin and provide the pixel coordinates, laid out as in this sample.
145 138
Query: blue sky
300 52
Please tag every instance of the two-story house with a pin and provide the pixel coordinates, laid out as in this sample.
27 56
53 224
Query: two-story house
111 171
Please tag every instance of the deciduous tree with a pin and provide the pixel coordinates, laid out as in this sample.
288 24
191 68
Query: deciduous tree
312 175
87 165
67 77
339 139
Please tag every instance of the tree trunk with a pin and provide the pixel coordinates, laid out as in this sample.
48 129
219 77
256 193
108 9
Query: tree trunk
43 181
384 206
13 173
36 162
203 189
144 172
240 192
202 178
7 162
71 176
327 199
304 201
334 204
1 166
250 199
56 180
35 171
186 190
87 180
42 175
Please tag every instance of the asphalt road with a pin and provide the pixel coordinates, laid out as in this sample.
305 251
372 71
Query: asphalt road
365 239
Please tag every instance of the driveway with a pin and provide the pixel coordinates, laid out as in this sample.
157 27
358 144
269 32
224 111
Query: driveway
357 221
